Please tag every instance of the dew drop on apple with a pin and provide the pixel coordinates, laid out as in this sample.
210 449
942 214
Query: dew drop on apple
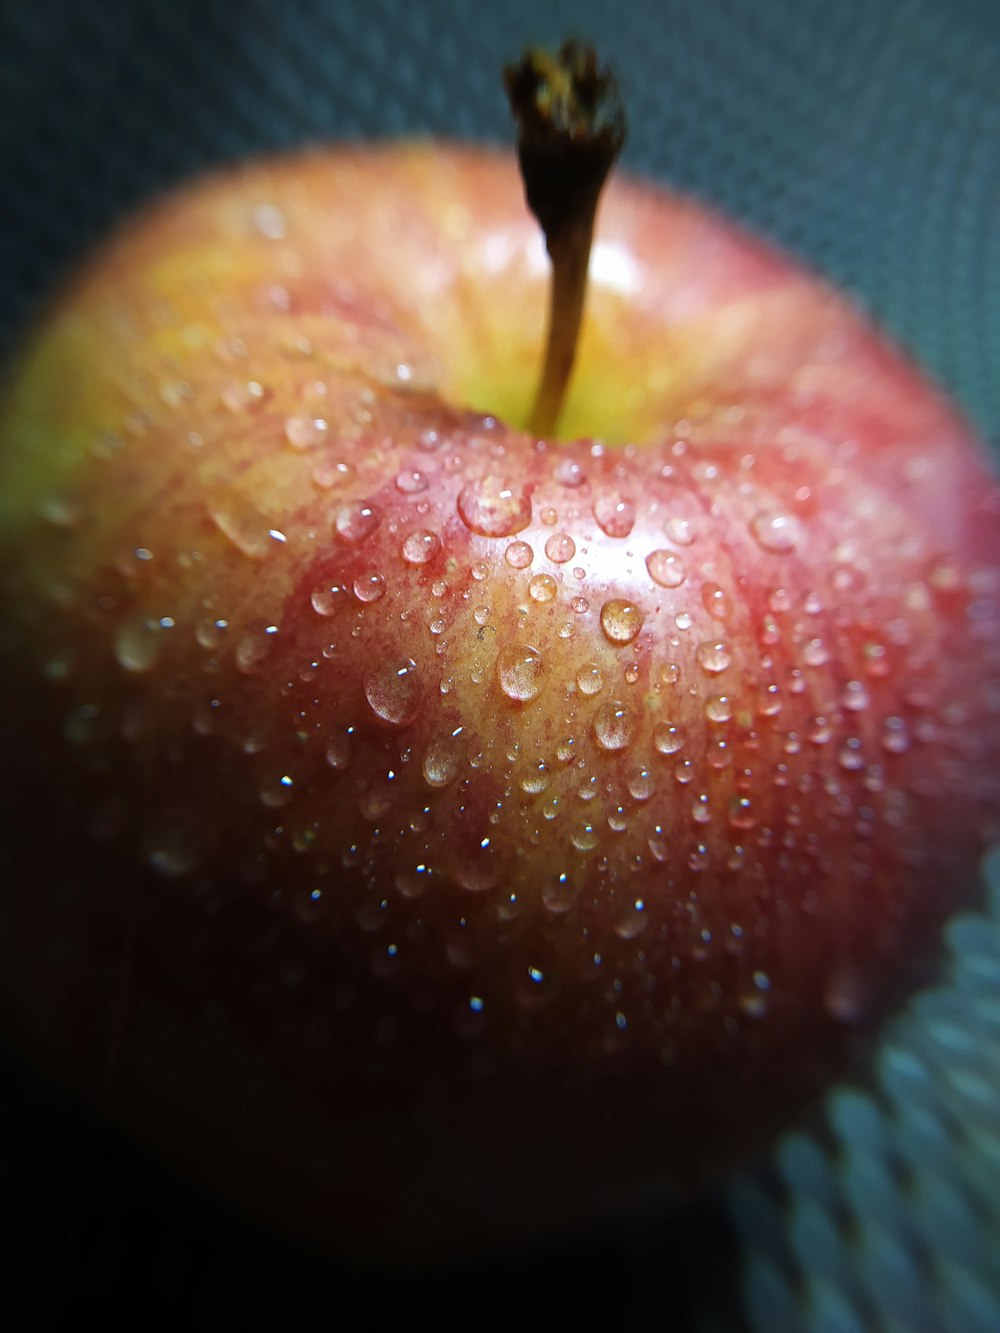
667 738
776 532
326 598
560 547
138 643
815 653
680 531
520 670
633 921
519 555
444 758
369 587
411 481
718 708
305 432
339 752
715 601
584 838
535 780
176 849
243 526
589 679
713 657
613 726
420 547
641 784
328 476
854 696
621 620
276 790
567 472
895 735
393 692
357 521
666 568
494 507
542 588
211 632
615 515
851 756
741 813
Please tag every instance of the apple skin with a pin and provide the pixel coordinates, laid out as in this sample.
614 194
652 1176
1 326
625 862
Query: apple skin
428 837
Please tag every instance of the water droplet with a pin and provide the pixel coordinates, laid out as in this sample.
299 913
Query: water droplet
338 751
560 547
815 653
666 568
211 633
776 532
584 839
493 507
176 849
854 696
421 547
520 670
718 708
519 555
305 432
410 481
680 531
589 680
276 790
535 780
269 221
613 726
138 644
615 515
244 395
369 587
393 692
851 757
357 521
444 758
621 621
641 784
568 473
328 476
667 738
741 813
876 658
632 923
244 526
895 736
326 598
713 657
715 601
683 620
542 588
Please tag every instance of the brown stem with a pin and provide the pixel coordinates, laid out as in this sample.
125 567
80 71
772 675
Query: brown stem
571 128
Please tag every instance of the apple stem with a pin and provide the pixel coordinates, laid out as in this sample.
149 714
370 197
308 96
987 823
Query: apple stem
571 128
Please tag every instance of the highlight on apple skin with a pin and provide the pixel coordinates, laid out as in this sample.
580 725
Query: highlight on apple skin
429 836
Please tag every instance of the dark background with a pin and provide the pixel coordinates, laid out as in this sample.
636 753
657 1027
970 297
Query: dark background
864 136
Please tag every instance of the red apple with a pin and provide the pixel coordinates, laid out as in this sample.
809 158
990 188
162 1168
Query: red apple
426 834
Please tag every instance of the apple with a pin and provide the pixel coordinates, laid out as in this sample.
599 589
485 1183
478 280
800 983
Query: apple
427 832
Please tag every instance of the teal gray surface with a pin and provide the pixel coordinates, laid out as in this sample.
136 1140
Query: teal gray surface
864 136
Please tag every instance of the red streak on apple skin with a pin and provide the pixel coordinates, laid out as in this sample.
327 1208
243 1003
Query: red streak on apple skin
428 835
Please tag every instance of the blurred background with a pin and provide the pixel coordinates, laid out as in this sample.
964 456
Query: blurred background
865 137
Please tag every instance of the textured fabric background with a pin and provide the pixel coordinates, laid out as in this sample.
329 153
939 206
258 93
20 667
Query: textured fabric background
865 136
